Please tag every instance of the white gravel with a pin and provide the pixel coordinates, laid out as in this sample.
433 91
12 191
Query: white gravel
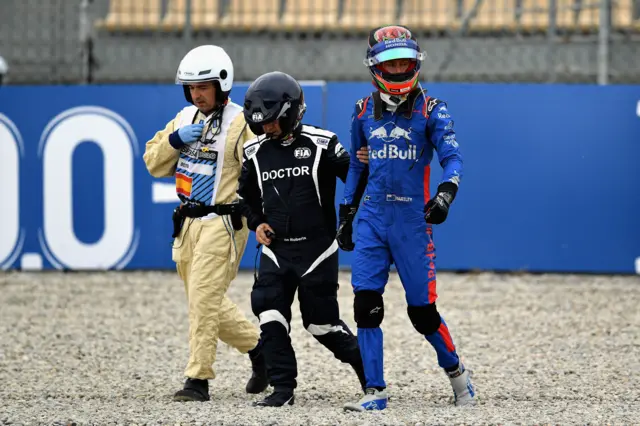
110 348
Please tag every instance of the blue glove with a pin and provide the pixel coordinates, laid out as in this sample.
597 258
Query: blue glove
185 135
191 133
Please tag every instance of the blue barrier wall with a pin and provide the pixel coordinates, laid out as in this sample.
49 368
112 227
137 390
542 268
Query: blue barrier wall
550 182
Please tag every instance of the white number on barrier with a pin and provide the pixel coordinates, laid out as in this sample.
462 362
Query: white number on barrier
65 133
9 191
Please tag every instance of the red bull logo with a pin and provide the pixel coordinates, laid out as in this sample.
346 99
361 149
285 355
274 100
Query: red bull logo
392 32
380 132
392 152
399 132
388 133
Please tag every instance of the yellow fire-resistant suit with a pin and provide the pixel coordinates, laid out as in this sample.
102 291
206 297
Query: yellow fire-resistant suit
207 251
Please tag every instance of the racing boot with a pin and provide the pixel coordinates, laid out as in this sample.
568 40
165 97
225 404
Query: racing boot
194 390
259 379
464 393
278 398
373 399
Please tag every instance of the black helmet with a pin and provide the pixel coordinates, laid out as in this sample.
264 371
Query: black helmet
274 96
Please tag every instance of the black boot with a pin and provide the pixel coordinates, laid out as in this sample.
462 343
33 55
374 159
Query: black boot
359 369
259 380
277 399
194 390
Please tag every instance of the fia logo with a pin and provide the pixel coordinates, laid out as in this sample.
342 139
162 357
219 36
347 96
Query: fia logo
257 116
302 153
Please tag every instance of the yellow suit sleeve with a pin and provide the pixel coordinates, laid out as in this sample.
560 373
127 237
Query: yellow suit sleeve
159 156
246 137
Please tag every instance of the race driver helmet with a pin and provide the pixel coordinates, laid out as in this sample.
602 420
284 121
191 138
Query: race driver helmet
275 96
391 43
206 63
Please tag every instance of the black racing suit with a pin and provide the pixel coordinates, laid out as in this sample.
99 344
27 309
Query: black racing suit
292 188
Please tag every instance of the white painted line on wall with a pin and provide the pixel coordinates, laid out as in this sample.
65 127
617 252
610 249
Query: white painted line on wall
31 262
164 193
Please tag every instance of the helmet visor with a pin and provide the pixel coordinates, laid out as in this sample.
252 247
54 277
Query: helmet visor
259 111
193 79
391 54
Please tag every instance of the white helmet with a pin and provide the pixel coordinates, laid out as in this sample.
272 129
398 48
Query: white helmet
206 63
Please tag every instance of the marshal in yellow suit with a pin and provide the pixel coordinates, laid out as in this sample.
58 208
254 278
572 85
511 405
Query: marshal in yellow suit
204 153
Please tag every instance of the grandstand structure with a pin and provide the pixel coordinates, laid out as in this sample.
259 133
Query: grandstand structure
86 41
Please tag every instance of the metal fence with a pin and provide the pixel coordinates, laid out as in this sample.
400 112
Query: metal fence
96 41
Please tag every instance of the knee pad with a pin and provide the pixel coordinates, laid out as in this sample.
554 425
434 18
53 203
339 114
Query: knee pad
368 309
273 316
425 319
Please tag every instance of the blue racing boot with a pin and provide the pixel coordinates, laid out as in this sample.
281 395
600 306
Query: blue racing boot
373 399
464 392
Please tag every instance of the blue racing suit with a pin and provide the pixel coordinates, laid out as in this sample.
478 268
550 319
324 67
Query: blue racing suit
391 227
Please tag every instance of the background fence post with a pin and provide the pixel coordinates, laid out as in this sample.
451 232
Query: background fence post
604 31
86 42
551 41
188 33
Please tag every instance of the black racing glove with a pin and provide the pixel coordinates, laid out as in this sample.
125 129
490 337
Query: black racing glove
345 228
437 208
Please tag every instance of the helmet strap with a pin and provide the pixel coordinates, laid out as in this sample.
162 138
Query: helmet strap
392 100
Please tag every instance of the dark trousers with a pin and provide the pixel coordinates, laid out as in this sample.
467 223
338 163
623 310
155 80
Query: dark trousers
311 267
